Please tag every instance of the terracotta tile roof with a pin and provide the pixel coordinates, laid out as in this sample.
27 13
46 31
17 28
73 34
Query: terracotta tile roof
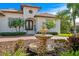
23 5
19 12
45 15
9 9
16 11
1 14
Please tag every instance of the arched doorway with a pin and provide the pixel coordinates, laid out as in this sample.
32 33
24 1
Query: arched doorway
30 25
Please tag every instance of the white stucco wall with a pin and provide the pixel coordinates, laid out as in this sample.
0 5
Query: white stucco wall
40 20
4 22
5 19
26 13
56 28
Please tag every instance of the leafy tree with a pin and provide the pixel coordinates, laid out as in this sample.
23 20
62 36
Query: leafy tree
50 24
74 9
65 21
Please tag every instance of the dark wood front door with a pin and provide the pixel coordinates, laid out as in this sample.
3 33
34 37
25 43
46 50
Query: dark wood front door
28 25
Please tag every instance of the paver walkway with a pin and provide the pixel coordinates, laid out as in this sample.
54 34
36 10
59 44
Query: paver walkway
14 38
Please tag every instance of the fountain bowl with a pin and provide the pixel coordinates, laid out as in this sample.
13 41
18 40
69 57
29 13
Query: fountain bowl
44 36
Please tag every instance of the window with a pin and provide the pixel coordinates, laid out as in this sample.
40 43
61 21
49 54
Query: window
29 25
10 22
30 11
13 21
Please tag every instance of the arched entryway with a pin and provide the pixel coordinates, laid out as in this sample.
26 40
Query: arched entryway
30 25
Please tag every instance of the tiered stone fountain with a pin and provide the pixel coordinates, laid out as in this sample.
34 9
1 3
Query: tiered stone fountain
42 49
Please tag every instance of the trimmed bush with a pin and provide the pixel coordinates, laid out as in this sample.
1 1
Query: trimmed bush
12 33
52 33
65 35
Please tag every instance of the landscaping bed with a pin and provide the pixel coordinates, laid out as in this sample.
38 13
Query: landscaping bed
12 46
9 46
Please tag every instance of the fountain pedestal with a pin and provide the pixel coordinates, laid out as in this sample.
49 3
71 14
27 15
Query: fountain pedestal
42 49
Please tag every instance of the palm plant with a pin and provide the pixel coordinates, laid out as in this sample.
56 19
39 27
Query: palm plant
16 23
20 23
74 8
13 23
65 20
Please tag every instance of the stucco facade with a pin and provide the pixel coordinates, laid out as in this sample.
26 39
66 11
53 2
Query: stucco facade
27 13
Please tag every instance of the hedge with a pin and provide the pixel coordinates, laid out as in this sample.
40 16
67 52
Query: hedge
12 33
52 33
65 35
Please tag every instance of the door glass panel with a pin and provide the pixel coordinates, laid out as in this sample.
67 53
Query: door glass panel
29 25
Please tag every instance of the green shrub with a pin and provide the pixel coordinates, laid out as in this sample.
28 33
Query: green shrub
12 33
6 54
19 52
50 24
19 44
66 35
52 33
61 41
70 53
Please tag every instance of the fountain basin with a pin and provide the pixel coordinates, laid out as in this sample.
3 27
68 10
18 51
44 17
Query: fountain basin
43 36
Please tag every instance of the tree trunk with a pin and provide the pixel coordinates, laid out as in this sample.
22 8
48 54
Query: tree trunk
16 29
19 28
75 33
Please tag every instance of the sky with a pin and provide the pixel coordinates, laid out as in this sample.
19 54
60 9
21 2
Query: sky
51 8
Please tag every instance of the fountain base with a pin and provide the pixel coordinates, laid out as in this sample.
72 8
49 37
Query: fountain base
41 50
